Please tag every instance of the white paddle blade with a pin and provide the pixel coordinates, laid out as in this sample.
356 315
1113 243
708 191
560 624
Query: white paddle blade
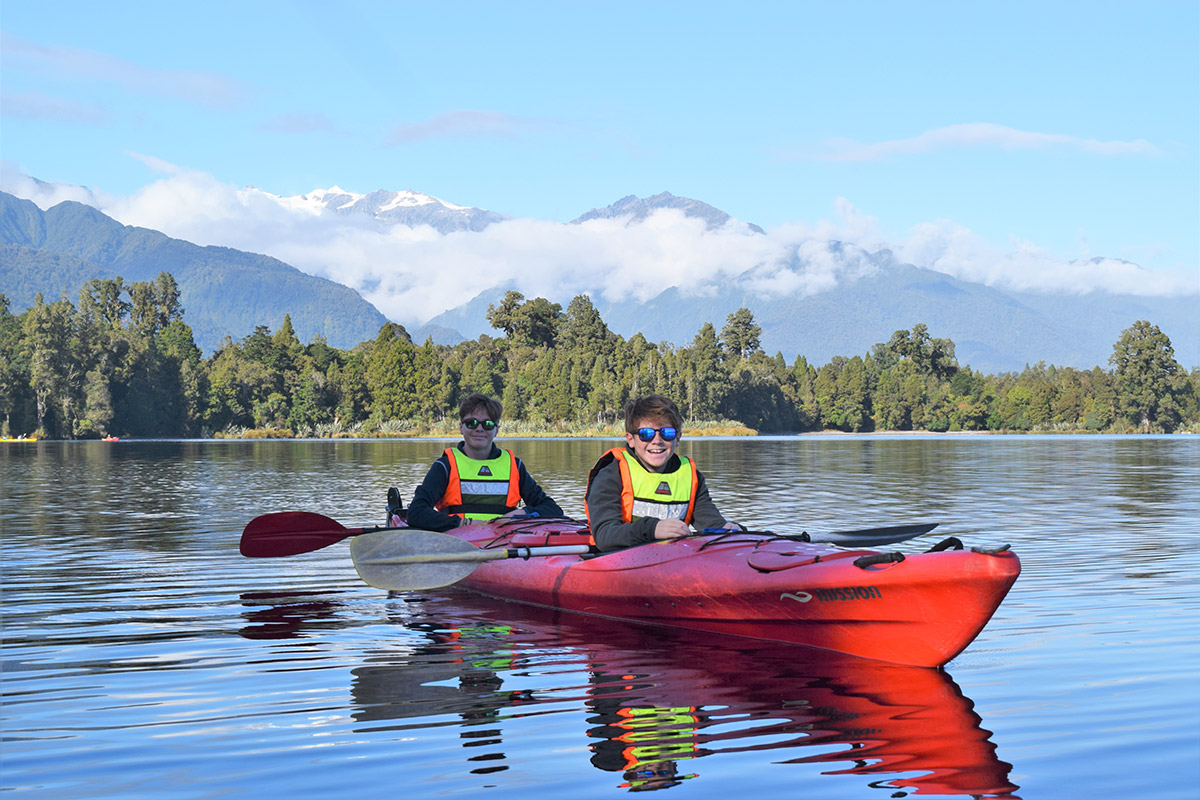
415 559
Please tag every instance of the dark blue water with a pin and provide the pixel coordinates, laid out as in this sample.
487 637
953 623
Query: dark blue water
144 657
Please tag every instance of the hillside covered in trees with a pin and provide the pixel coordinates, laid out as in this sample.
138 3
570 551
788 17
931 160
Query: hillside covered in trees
123 362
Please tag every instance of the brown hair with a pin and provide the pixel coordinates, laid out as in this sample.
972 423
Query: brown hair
653 407
477 400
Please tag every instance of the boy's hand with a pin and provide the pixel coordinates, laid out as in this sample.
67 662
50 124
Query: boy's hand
671 529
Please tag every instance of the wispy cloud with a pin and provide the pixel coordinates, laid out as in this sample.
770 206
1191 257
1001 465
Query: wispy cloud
196 86
300 122
36 105
974 135
159 165
471 124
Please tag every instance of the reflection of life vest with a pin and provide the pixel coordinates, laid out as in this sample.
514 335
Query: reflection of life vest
481 490
657 734
662 495
497 660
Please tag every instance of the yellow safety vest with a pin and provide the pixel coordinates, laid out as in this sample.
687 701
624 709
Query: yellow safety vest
662 495
481 490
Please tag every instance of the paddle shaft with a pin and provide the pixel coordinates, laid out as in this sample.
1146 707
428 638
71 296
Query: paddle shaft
479 556
289 533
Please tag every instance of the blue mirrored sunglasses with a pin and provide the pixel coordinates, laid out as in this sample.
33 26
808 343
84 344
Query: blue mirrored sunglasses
487 424
669 434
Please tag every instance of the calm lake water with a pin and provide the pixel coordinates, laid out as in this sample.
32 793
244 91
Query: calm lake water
144 657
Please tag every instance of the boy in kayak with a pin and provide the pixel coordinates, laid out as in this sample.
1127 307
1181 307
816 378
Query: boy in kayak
475 480
644 491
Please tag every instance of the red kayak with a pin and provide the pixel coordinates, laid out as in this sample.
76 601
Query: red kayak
921 609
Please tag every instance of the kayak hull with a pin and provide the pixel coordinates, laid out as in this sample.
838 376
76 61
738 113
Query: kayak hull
922 611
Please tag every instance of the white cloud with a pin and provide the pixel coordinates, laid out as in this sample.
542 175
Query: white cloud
413 274
955 250
44 195
976 135
203 87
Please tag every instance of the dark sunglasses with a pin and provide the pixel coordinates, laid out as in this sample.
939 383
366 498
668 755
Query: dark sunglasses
669 434
473 423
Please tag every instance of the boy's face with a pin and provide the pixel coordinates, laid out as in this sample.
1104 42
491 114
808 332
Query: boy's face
655 453
478 438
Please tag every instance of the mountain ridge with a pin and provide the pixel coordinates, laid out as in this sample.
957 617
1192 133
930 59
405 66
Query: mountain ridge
224 292
994 331
638 209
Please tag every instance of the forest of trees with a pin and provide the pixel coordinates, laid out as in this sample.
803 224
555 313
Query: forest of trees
123 362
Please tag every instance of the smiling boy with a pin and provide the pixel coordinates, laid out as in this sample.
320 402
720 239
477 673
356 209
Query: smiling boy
645 491
476 480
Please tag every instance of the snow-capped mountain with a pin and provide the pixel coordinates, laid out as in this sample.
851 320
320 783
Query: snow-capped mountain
405 208
637 209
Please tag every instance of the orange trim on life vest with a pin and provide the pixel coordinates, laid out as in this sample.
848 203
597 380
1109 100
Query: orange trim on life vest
514 482
453 495
626 485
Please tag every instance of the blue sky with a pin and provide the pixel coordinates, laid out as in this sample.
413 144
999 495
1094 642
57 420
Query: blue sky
1066 129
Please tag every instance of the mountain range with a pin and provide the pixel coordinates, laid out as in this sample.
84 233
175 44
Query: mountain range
228 292
224 292
993 331
391 208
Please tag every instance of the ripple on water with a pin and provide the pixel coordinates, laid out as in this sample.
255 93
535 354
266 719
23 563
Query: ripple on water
143 655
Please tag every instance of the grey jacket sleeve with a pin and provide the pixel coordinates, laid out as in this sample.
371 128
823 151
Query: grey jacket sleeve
422 512
609 529
705 514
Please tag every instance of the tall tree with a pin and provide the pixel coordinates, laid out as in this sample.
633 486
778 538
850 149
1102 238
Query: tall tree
102 300
55 373
583 329
741 334
154 304
931 356
390 375
530 324
503 317
16 408
709 381
1150 383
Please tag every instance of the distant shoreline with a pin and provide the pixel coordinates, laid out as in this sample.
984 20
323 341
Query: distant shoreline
432 437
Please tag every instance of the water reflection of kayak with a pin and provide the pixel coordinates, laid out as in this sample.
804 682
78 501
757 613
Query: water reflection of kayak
920 609
660 702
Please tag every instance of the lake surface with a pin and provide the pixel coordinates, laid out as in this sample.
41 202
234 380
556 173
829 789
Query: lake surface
144 657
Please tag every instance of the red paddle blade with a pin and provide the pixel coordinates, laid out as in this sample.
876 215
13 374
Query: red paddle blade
289 533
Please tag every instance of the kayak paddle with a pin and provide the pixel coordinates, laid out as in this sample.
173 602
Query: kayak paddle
415 559
289 533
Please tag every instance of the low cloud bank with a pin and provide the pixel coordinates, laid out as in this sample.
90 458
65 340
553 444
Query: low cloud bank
413 274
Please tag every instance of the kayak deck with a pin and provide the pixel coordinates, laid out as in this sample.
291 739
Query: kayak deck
922 610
